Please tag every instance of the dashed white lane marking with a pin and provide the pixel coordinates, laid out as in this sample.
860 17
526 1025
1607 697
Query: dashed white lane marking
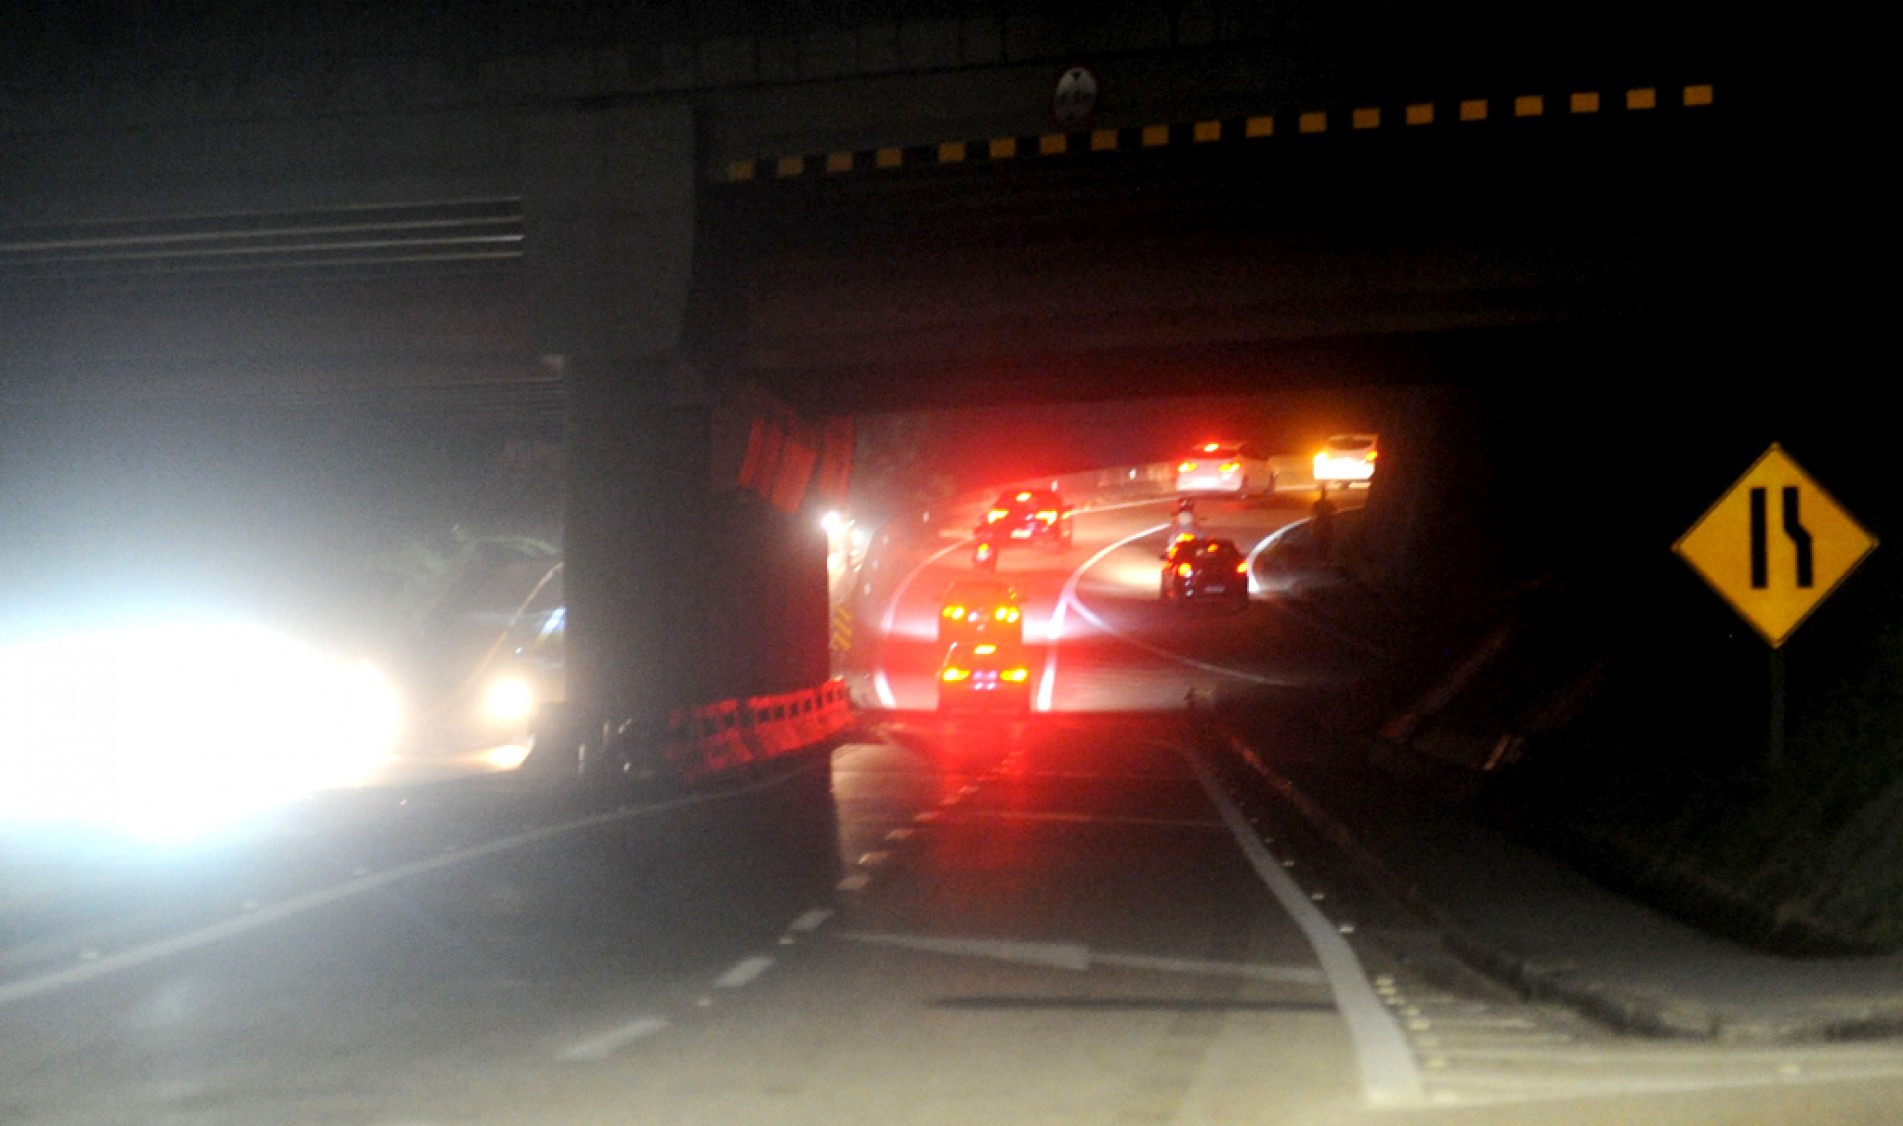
261 917
1390 1076
608 1043
855 882
811 921
743 972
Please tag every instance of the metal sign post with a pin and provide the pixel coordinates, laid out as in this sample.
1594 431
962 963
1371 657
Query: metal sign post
1775 572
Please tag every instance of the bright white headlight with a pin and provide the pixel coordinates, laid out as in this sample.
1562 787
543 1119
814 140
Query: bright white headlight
508 698
170 729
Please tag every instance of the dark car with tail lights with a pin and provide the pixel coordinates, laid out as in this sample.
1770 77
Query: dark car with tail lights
1205 569
980 610
1029 516
985 675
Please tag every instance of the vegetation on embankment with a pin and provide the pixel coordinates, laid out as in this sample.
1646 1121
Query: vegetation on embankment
1669 784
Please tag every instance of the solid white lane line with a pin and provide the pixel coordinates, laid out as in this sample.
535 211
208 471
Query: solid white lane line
1078 958
608 1043
270 915
890 620
1055 955
1067 598
743 972
1092 819
1189 662
1266 543
1390 1076
1286 975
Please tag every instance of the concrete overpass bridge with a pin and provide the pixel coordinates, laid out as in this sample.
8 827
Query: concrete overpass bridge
694 239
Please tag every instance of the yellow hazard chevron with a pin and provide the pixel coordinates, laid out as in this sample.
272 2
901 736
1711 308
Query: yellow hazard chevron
842 629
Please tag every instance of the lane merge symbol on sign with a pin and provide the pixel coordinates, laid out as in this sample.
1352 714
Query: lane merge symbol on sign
1805 572
1775 572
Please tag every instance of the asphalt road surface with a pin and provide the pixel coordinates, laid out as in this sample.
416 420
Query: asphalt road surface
1099 636
1084 915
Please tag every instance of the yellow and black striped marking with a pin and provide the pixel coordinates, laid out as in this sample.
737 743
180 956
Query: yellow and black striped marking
1353 119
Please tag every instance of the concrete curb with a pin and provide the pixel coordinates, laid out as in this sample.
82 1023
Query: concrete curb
1836 1014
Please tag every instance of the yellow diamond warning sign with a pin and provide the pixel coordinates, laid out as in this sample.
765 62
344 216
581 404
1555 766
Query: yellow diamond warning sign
1775 545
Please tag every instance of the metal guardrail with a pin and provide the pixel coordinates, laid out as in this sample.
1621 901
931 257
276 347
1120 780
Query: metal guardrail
731 734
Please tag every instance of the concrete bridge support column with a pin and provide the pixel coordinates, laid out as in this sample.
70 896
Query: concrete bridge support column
637 540
1433 522
694 572
608 216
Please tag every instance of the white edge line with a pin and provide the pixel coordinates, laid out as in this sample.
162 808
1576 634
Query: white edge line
1266 543
1390 1077
1178 658
1070 596
15 991
1293 607
1047 687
